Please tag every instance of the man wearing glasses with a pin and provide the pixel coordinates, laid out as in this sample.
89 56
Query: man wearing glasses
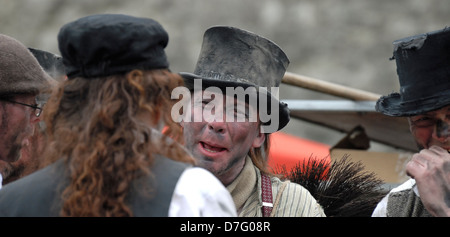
21 81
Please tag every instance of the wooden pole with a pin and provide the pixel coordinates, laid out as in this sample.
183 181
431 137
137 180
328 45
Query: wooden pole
328 87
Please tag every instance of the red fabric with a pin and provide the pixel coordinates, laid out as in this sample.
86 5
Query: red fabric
289 151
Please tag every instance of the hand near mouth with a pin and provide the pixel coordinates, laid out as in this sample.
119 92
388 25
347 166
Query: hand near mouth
431 170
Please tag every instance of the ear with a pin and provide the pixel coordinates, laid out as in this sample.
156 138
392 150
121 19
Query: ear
259 140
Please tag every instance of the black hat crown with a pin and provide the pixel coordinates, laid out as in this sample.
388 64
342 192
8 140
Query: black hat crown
107 44
423 68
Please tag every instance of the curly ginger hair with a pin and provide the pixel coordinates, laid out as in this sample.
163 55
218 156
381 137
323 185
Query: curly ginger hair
102 128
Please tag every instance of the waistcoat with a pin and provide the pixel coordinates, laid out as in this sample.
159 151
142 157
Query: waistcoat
405 203
39 194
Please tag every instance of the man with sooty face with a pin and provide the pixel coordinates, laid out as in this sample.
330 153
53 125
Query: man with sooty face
423 67
229 115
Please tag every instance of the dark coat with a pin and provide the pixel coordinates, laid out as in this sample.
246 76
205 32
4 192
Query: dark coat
39 194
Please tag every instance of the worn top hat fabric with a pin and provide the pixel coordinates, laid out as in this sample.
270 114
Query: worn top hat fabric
107 44
423 68
20 72
232 57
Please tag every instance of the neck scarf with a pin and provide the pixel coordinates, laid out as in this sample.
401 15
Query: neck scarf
244 185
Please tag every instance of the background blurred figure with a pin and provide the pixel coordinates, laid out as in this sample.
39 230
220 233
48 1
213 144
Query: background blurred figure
51 63
34 145
21 81
106 156
423 66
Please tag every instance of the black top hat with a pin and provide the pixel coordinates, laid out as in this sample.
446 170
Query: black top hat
423 68
107 44
232 57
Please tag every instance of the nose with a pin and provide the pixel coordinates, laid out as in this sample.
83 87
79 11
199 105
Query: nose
217 126
215 118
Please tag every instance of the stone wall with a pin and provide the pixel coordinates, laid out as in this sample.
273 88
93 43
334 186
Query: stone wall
342 41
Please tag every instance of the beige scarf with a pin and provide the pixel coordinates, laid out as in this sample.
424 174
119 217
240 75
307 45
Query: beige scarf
244 185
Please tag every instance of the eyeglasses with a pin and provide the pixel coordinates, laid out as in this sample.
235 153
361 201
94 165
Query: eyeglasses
37 107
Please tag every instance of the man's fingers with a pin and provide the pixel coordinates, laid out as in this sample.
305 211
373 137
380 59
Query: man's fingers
416 165
439 150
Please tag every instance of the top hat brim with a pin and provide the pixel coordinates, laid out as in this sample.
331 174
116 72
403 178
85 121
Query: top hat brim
394 105
283 110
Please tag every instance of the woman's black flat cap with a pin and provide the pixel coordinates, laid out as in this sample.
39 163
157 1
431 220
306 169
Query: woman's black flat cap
108 44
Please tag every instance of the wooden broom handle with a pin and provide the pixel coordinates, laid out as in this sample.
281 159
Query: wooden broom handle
328 87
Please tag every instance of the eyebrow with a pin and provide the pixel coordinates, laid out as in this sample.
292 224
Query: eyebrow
432 113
